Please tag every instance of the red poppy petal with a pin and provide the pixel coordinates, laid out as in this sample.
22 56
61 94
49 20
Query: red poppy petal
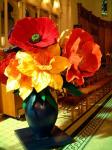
3 65
48 29
74 76
87 74
86 48
78 33
3 79
75 59
72 73
96 51
22 31
25 28
89 63
79 81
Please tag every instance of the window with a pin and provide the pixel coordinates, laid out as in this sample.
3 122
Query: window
104 7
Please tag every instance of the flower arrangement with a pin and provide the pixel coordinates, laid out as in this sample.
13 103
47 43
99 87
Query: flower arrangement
40 58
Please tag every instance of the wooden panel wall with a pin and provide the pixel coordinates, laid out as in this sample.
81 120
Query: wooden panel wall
1 106
100 29
10 104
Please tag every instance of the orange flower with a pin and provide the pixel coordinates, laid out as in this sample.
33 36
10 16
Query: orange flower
84 56
36 70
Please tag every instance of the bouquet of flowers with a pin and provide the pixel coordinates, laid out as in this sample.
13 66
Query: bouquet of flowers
40 58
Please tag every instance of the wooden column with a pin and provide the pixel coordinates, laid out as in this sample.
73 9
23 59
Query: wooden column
66 20
0 27
20 10
6 21
1 9
1 104
23 8
38 11
74 12
1 108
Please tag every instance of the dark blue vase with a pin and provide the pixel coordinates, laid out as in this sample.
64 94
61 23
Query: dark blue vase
41 114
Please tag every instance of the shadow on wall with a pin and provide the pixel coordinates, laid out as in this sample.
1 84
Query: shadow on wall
77 26
2 148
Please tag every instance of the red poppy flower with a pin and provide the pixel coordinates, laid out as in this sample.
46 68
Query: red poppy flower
31 34
3 64
84 55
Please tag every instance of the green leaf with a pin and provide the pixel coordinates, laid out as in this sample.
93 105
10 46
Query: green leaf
24 105
31 97
72 89
43 97
46 95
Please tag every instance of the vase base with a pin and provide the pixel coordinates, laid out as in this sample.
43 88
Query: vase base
57 139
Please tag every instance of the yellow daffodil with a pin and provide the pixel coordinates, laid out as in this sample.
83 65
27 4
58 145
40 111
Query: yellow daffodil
36 70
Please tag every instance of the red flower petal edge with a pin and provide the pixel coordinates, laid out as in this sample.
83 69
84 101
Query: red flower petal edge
25 28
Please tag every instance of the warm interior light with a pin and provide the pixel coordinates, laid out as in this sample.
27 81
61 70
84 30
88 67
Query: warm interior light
19 4
34 2
2 41
46 4
56 4
56 7
46 1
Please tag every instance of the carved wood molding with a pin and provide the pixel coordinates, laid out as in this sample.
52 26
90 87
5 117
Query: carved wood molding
83 12
100 29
